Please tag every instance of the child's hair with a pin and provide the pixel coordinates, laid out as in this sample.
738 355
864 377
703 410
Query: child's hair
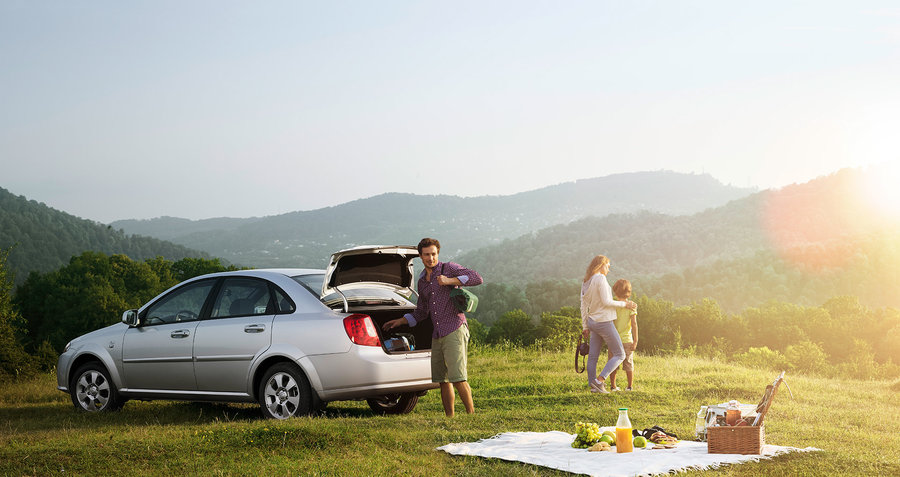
621 288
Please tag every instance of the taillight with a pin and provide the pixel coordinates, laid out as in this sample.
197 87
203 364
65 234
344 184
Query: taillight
361 330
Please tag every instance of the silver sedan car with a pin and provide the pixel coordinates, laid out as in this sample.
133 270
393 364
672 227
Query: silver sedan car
290 339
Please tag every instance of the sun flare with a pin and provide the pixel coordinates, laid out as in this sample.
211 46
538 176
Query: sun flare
882 190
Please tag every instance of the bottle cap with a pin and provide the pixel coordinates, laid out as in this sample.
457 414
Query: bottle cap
623 408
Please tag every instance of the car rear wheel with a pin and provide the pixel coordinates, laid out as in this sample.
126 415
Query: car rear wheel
394 403
284 392
93 391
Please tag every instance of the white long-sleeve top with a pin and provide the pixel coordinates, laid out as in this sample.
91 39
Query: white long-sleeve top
597 301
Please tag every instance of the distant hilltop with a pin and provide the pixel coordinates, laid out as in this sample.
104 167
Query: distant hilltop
307 238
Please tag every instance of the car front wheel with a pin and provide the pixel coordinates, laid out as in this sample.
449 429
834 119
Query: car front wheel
394 403
284 392
93 391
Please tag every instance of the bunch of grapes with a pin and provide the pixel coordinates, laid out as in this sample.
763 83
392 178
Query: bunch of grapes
586 435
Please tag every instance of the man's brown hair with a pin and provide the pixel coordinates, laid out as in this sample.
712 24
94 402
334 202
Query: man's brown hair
427 242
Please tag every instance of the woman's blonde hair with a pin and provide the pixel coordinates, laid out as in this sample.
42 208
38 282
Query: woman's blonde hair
594 267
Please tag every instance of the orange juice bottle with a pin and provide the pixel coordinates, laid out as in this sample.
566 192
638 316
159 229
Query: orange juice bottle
623 432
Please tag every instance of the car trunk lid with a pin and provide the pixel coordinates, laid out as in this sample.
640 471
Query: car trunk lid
370 265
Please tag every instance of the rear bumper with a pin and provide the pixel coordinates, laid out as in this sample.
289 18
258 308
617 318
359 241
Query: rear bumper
367 371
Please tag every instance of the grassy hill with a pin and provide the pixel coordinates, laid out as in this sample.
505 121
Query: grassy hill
514 390
43 238
307 238
803 244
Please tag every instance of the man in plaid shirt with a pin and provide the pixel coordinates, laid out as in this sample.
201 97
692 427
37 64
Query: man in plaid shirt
450 339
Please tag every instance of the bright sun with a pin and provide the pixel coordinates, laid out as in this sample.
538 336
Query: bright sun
882 189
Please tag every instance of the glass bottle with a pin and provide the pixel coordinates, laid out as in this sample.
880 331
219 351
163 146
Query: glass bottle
700 424
623 432
732 413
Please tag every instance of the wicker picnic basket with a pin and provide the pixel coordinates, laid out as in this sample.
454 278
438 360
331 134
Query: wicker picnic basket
735 439
748 439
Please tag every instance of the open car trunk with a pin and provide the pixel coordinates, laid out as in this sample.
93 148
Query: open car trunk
377 280
415 339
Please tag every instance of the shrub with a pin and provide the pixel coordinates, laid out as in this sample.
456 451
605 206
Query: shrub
14 361
806 357
477 331
762 358
558 332
514 326
861 363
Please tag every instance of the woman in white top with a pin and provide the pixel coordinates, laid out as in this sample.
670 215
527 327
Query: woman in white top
598 311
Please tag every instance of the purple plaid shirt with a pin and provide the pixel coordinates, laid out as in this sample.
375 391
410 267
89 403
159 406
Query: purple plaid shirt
434 300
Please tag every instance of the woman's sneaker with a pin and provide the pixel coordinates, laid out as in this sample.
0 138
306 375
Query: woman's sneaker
615 388
599 388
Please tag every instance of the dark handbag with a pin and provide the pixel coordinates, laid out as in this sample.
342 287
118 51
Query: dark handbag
582 350
463 300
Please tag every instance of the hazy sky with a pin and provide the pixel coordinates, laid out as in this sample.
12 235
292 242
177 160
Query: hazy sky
199 109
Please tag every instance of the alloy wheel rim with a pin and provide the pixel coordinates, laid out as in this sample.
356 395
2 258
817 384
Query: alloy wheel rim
92 391
282 395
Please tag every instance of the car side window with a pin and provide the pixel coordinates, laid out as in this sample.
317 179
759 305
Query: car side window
282 303
242 296
183 304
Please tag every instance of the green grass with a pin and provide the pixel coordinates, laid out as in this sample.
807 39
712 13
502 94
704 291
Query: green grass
515 390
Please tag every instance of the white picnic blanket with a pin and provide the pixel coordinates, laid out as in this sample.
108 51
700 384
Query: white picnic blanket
554 449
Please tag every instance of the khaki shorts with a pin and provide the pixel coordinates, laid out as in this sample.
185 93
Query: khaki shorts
448 356
628 364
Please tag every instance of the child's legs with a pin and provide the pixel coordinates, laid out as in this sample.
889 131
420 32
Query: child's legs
628 363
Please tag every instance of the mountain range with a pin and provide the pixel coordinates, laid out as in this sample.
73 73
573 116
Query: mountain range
307 238
680 237
802 244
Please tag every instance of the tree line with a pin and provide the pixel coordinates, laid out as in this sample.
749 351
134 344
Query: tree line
88 293
839 337
40 238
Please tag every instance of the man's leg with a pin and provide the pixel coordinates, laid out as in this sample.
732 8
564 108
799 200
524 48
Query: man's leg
465 395
447 398
455 361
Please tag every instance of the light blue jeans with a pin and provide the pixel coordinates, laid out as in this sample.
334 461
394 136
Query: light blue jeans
607 332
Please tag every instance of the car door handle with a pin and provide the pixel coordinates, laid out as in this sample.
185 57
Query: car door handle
254 328
180 333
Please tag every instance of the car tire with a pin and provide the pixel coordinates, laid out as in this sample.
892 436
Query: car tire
394 403
93 391
284 392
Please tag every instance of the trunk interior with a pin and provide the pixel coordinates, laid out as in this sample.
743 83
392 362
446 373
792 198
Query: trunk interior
418 337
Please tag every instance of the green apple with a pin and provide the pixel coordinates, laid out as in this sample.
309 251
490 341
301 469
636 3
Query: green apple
612 435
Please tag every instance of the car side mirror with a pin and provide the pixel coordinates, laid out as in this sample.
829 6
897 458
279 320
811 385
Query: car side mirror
130 318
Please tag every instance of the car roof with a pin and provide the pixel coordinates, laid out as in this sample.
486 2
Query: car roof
290 272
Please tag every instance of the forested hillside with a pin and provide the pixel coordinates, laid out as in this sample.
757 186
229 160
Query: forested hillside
802 244
42 239
308 238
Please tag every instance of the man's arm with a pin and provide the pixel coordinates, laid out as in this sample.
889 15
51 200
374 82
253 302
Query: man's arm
455 274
